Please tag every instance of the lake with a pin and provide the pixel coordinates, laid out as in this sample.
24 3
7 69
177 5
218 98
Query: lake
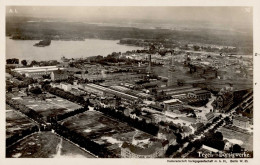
24 49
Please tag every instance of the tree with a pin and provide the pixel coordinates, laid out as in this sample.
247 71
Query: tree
180 82
236 148
36 90
34 63
12 61
24 62
196 48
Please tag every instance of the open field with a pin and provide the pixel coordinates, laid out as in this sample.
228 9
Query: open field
49 107
16 122
45 145
117 78
245 140
106 131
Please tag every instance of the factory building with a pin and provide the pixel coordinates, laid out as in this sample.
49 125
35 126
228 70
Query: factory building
66 86
101 91
36 72
59 75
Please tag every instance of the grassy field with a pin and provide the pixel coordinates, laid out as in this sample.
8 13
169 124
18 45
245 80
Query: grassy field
50 107
104 130
45 145
16 122
245 139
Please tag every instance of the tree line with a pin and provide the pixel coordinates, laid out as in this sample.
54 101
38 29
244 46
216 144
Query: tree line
141 125
25 110
60 117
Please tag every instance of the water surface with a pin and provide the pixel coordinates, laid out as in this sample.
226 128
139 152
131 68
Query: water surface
24 49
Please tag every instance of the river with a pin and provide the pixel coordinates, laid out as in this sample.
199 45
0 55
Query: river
24 49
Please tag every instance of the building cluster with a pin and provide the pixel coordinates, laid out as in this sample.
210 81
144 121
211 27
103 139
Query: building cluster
186 103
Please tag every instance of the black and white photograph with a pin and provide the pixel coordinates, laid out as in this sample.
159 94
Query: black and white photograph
129 82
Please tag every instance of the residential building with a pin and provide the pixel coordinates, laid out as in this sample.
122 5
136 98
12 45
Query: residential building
171 78
166 135
206 118
223 102
158 117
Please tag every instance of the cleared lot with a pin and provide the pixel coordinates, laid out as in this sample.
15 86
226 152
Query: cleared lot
45 145
243 139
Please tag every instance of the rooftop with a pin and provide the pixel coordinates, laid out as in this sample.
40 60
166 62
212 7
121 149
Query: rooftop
200 92
209 148
172 101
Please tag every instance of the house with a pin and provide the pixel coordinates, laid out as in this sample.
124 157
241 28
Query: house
206 118
147 118
134 116
34 85
210 116
59 75
158 117
15 89
197 126
186 131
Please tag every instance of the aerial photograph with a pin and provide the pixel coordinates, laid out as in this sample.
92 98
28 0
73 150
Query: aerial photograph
129 82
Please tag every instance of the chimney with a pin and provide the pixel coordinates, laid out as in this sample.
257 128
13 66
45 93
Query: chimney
150 63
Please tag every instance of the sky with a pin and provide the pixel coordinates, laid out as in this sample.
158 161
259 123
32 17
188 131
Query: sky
226 16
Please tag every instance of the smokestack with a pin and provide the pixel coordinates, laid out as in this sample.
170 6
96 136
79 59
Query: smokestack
150 63
172 60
